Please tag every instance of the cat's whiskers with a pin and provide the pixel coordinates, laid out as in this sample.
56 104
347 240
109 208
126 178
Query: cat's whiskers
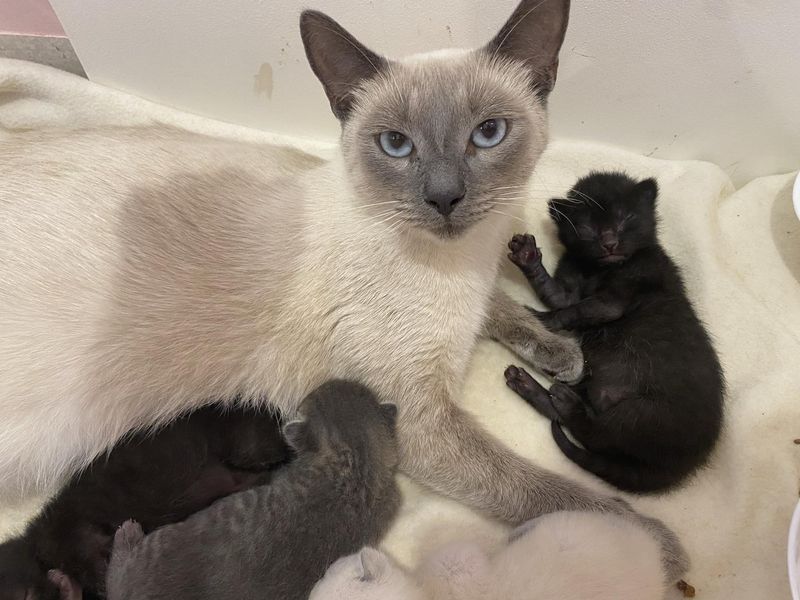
500 212
379 203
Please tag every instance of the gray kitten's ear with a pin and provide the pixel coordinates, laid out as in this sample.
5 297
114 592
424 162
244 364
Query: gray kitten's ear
647 191
389 411
373 563
338 59
533 35
296 434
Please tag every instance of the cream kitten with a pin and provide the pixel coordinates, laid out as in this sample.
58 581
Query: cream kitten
561 556
147 270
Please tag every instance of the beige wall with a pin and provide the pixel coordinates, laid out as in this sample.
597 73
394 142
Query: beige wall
707 79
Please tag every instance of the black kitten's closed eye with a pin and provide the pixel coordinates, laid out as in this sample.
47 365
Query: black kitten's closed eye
626 221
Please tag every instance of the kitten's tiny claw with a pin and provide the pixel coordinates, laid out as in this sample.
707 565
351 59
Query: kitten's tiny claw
524 252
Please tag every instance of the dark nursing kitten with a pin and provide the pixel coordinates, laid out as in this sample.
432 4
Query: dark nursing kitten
650 410
338 495
157 478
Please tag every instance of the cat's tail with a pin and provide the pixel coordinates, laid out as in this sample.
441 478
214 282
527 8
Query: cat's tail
626 474
128 537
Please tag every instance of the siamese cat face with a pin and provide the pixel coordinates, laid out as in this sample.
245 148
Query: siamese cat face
440 141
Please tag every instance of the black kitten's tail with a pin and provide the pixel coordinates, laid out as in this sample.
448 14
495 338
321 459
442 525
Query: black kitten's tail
626 474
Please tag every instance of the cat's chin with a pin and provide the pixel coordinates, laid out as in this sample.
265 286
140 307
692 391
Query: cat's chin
448 230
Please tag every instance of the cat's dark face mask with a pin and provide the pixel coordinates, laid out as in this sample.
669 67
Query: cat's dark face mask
606 218
442 142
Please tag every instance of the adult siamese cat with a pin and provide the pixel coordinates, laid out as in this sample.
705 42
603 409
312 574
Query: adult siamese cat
145 270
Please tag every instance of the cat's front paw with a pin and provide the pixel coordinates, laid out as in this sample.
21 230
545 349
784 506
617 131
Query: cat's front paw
562 358
524 252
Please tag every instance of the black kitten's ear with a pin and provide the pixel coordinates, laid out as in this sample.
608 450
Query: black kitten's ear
533 35
296 434
389 411
338 59
647 191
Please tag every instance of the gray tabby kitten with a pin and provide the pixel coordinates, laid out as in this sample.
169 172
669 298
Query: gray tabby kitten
277 540
146 269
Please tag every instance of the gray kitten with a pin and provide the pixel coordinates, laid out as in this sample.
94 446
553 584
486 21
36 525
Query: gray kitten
276 541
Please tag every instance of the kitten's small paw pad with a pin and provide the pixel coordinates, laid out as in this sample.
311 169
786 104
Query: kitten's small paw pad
524 252
519 380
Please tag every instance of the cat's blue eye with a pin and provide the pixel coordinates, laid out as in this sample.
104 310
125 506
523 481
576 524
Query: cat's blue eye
489 133
395 144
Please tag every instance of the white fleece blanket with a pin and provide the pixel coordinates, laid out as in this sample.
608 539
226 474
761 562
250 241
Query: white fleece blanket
740 252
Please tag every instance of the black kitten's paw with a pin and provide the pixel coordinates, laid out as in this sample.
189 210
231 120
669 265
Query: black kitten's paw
524 252
520 381
68 588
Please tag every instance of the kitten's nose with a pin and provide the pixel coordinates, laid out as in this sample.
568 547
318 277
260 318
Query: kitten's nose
610 246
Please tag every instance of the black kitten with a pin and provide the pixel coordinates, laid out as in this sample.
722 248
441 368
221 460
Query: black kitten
650 411
157 479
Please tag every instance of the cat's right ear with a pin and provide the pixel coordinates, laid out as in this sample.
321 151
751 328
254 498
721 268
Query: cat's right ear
296 435
533 36
338 59
373 563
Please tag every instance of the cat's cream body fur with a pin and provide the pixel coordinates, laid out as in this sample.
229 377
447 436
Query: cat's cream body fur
353 300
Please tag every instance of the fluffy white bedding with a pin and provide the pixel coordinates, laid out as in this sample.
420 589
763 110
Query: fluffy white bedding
740 253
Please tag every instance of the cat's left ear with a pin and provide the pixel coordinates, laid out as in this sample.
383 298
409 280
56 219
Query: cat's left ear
647 191
533 35
338 59
373 563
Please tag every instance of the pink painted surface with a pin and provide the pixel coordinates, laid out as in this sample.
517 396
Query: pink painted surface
29 17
